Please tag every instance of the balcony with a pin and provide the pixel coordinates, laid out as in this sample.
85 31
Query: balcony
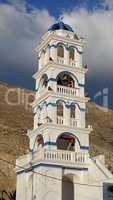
73 63
67 91
60 60
60 120
61 156
53 156
73 122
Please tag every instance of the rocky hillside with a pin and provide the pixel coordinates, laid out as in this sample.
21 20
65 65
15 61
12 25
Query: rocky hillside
16 117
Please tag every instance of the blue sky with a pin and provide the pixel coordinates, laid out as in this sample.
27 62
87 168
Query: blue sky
22 22
55 8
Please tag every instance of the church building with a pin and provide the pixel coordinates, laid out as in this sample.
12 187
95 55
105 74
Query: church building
58 165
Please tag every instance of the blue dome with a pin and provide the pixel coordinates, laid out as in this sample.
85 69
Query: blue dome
60 25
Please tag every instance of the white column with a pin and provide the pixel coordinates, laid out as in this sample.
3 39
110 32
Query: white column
47 56
53 52
51 113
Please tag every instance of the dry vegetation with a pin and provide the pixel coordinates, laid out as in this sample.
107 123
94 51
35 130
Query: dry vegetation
15 120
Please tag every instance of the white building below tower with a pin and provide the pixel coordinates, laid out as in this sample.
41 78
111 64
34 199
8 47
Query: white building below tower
58 165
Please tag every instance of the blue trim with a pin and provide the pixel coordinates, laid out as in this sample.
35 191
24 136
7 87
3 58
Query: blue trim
82 109
71 74
51 104
67 104
55 144
84 147
50 143
55 79
60 43
66 46
81 85
52 79
51 165
55 104
60 166
20 172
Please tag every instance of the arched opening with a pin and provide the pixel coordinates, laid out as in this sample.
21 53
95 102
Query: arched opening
73 121
60 113
40 141
65 79
43 81
66 141
60 51
67 188
72 111
71 54
60 108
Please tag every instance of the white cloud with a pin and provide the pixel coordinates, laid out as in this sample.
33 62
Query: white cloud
97 28
20 31
108 3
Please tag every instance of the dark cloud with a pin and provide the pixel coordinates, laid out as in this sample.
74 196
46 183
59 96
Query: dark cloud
20 31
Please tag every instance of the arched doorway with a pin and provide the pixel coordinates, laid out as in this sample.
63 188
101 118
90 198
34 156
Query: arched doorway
66 141
71 54
67 188
60 51
43 82
60 109
40 141
65 79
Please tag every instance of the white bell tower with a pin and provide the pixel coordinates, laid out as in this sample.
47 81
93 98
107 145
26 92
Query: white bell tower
58 165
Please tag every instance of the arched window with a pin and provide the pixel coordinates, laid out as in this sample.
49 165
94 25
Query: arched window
60 51
43 82
72 111
71 54
66 141
60 109
40 141
64 79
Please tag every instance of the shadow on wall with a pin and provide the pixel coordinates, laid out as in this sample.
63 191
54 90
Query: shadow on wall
67 188
107 191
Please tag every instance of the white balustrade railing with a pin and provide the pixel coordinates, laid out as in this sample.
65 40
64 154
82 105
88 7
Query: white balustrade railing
67 90
73 122
60 120
73 63
62 156
60 60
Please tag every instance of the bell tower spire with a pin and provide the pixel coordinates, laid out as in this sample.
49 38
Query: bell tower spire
59 159
60 101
